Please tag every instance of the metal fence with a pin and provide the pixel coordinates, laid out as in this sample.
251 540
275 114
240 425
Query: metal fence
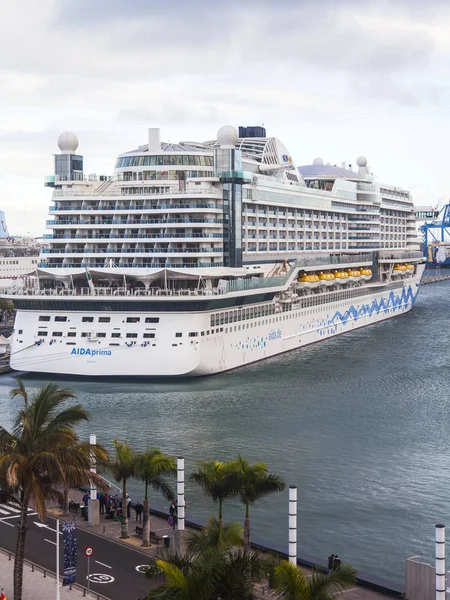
420 580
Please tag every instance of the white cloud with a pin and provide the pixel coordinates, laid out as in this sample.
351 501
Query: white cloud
329 78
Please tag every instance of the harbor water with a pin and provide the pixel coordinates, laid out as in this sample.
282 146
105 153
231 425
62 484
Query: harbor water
360 423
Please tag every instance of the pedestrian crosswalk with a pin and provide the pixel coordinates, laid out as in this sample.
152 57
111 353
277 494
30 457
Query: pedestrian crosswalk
10 511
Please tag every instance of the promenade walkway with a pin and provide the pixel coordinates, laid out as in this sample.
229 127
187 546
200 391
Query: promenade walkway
111 530
36 586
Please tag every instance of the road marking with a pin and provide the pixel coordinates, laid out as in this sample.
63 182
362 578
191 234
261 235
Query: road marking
14 517
49 541
14 509
100 578
103 564
142 568
4 512
46 526
5 523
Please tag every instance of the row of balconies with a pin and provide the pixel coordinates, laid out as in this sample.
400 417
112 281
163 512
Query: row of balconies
159 222
114 192
178 251
155 236
126 209
150 265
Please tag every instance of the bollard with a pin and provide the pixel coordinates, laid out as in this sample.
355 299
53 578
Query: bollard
293 525
32 567
45 573
84 592
440 562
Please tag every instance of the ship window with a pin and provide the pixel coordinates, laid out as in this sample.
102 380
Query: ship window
87 320
132 335
152 319
44 318
72 334
207 333
148 336
60 319
114 344
226 318
133 319
213 320
104 319
57 334
43 333
71 343
85 334
220 319
178 335
115 335
101 334
193 333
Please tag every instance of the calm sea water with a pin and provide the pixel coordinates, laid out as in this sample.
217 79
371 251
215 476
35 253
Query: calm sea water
360 423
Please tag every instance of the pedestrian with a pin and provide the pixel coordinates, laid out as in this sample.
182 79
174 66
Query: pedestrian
128 506
102 504
337 563
139 510
108 506
86 499
173 513
330 563
112 509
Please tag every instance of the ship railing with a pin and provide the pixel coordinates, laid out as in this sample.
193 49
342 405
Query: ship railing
393 255
120 192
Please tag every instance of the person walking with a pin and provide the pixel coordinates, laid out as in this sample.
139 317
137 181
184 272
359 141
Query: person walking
337 563
173 513
139 510
330 563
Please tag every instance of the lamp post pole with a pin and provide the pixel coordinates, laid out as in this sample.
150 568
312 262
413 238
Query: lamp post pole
293 525
180 504
440 562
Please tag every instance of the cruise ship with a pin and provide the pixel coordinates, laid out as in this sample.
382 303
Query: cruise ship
195 258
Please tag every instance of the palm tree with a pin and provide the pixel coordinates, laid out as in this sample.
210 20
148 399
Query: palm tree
214 536
290 583
123 468
217 482
254 482
214 567
39 454
151 466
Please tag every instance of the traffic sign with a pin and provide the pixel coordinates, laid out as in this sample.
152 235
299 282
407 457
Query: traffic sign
89 551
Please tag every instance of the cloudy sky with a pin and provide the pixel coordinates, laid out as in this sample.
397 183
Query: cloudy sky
331 78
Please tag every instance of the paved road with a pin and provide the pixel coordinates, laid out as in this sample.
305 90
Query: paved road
111 562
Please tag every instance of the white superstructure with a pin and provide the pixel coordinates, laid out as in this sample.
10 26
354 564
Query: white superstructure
195 258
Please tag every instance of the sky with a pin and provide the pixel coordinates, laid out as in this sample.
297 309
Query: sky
331 78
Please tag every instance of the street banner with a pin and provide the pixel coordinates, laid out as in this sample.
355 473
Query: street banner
70 552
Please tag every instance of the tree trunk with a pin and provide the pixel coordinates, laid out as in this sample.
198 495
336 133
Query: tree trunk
220 514
146 524
124 535
66 501
247 529
20 546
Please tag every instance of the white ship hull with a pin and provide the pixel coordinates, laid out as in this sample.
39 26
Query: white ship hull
211 350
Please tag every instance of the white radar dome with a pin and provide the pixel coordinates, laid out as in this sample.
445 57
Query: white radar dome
361 161
227 136
318 162
68 142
